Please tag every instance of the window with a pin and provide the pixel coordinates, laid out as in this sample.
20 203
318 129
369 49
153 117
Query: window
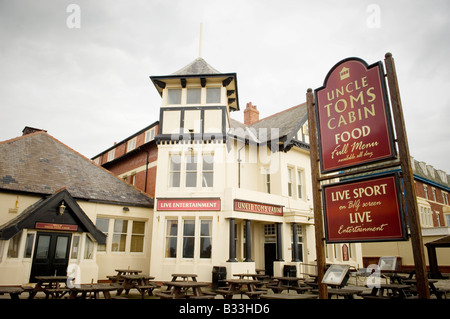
76 247
174 171
188 238
131 144
438 219
133 179
208 170
120 235
89 249
193 96
445 198
433 191
205 238
267 180
425 191
61 247
174 96
111 154
212 95
171 238
447 219
29 246
300 184
14 244
270 233
426 218
191 170
290 178
299 243
150 135
137 237
103 225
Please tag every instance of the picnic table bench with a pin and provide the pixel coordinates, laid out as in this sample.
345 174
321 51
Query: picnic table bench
91 291
235 286
288 283
180 290
140 282
13 291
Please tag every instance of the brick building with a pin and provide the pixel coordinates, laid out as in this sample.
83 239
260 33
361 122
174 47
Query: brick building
134 159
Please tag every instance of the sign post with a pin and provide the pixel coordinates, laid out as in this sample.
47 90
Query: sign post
350 128
408 180
317 202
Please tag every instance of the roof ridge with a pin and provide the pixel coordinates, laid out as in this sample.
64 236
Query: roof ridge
21 137
276 114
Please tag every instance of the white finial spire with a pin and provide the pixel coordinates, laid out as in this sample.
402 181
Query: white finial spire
200 41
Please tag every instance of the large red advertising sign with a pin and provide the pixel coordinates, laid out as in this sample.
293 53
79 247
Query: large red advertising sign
353 116
188 204
363 210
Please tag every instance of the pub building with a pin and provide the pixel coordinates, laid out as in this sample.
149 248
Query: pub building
230 194
207 191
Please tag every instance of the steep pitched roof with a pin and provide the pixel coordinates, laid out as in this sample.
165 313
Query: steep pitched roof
38 163
197 67
43 210
280 127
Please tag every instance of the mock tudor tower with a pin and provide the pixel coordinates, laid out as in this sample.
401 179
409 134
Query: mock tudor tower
196 101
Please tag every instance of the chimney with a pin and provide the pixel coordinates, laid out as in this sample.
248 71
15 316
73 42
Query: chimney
251 114
29 130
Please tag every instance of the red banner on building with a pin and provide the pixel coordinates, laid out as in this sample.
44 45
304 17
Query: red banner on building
188 204
363 210
353 116
260 208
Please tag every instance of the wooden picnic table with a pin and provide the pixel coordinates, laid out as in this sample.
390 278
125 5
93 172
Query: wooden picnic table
392 291
13 291
180 290
140 282
288 283
121 272
91 291
236 286
433 289
184 276
54 286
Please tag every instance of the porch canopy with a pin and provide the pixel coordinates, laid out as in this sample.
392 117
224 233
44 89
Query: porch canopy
432 257
45 213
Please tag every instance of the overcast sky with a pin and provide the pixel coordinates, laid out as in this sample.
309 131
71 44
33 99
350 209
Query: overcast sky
82 72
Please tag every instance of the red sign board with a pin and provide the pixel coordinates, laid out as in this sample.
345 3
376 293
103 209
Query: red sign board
260 208
353 116
363 210
188 204
51 226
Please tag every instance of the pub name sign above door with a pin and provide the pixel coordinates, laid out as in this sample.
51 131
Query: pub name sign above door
352 110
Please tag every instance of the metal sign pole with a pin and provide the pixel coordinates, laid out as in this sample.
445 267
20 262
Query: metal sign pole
408 180
317 201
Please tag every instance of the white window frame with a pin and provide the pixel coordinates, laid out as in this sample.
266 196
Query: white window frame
131 144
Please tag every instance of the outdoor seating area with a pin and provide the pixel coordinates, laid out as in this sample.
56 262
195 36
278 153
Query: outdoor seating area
341 280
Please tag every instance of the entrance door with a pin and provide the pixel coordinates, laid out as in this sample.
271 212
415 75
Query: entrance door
270 255
51 255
